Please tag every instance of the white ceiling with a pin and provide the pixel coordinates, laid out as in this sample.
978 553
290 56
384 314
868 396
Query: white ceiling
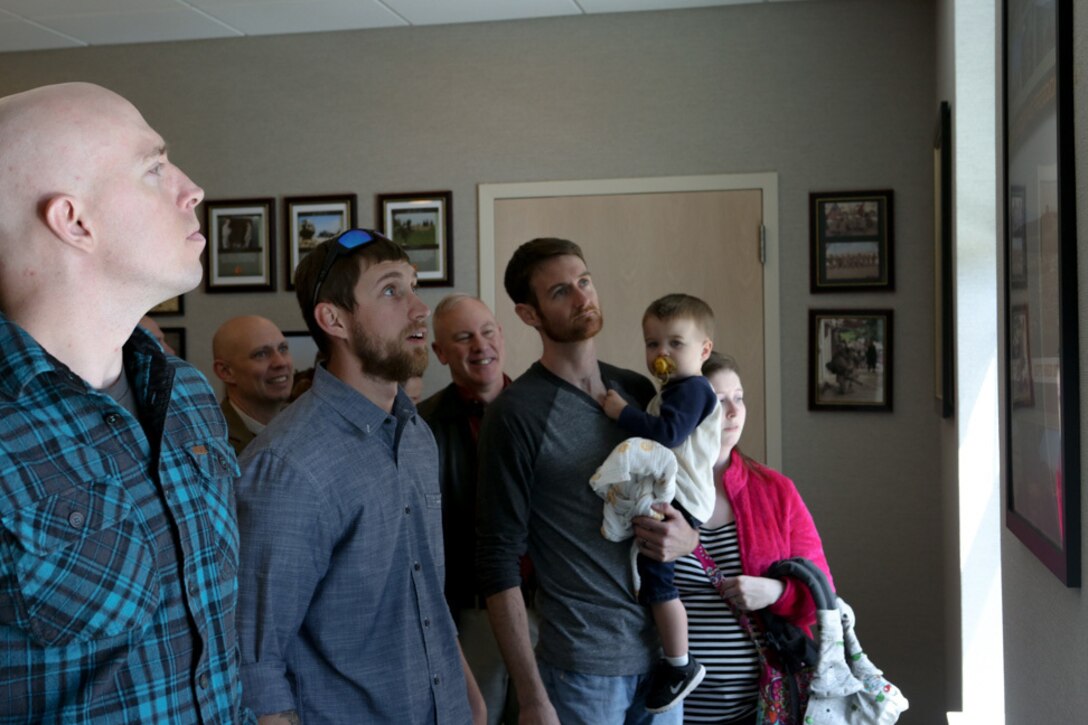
46 24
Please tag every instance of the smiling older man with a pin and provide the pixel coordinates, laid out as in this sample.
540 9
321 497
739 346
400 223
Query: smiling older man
253 360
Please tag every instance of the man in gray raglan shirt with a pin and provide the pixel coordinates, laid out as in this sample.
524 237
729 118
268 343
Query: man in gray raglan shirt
540 442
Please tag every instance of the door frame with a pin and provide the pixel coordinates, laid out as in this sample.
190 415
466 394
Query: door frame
766 182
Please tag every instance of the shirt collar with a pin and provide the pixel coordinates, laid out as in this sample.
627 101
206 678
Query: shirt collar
469 395
355 407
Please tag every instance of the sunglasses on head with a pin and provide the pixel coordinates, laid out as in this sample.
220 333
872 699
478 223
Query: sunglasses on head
342 246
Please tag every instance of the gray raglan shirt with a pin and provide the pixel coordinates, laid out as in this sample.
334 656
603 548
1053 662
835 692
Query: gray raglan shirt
540 442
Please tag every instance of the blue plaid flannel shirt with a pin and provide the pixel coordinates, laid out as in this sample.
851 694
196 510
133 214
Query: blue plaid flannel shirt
118 544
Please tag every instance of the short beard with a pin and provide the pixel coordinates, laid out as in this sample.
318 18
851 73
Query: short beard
575 331
389 361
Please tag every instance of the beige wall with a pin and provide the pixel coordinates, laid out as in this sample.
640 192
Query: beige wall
837 94
1046 624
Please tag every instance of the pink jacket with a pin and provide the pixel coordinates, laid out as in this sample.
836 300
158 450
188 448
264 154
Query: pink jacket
773 523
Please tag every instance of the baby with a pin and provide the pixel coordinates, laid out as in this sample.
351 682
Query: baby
686 417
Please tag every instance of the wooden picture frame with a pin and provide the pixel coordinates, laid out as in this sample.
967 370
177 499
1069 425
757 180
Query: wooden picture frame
310 220
850 360
944 318
852 234
422 223
240 253
175 306
1041 411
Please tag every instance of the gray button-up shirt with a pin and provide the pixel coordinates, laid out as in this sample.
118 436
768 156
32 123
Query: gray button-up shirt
341 615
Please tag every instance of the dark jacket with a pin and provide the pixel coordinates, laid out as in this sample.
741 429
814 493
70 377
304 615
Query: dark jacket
447 413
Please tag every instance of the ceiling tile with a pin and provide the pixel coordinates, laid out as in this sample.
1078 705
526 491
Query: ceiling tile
139 27
16 35
51 8
428 12
621 6
292 16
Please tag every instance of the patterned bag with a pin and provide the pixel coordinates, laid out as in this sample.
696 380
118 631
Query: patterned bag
784 677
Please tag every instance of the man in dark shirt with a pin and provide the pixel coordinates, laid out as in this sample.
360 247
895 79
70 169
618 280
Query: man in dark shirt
468 340
540 442
118 543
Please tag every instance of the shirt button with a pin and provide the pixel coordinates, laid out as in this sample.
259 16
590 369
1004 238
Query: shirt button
203 681
417 566
426 621
407 509
222 461
113 418
437 679
77 519
193 589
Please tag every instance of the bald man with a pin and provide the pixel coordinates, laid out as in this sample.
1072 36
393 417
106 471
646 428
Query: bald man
118 541
253 360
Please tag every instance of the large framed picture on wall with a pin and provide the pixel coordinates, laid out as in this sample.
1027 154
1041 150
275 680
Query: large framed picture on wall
1041 411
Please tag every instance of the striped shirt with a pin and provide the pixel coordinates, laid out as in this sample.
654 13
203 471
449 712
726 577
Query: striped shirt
118 544
730 689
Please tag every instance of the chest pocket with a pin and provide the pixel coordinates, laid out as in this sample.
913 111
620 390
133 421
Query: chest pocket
76 566
217 467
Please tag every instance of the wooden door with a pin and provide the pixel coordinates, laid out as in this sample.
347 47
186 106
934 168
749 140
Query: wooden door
639 247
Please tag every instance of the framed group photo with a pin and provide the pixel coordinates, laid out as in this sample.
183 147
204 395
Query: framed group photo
1041 411
421 222
852 238
850 360
310 220
240 252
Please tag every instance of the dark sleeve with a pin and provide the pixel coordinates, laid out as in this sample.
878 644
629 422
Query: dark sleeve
507 447
684 405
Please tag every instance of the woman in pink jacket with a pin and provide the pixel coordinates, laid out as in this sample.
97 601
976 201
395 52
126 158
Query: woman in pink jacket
758 519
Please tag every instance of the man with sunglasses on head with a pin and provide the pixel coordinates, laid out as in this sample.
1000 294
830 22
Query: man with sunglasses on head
341 613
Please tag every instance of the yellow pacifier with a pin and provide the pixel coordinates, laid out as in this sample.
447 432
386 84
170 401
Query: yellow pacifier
664 367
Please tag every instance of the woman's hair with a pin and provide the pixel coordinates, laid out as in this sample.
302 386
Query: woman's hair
722 363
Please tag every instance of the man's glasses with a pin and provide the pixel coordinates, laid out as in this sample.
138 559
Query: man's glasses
342 246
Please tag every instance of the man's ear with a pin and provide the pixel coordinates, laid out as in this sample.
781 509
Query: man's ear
63 215
438 353
223 371
528 314
330 319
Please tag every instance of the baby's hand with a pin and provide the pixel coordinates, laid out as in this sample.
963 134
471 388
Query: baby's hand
613 404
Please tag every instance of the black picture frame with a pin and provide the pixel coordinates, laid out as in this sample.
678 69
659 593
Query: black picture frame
1041 400
175 338
944 266
850 359
422 223
852 235
310 220
240 255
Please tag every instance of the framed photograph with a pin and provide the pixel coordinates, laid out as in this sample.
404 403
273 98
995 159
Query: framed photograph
1021 385
421 223
1041 411
175 338
944 358
852 235
310 220
240 253
850 360
172 306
